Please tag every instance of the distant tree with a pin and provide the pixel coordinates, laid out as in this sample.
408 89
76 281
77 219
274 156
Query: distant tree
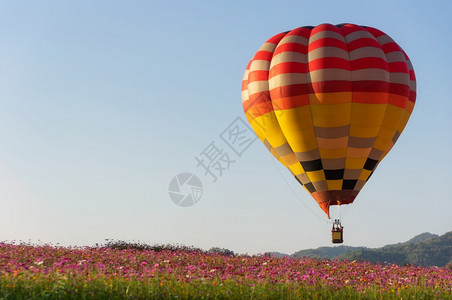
122 245
221 251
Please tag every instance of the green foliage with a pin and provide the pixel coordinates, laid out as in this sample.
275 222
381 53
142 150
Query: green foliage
432 251
173 288
221 251
123 245
325 252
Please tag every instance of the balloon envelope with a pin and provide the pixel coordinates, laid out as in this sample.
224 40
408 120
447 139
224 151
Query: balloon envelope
329 102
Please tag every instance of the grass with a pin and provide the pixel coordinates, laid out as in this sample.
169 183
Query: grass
171 288
178 272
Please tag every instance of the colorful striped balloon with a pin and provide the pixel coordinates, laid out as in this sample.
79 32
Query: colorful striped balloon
329 102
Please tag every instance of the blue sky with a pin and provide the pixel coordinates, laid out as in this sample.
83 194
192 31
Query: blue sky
102 103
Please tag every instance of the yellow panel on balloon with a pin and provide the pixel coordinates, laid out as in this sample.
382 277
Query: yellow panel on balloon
302 141
297 169
364 175
257 129
334 115
404 121
394 115
384 138
355 163
271 130
295 118
370 115
316 175
334 185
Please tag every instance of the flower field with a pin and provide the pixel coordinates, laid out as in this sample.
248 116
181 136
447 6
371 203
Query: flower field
36 272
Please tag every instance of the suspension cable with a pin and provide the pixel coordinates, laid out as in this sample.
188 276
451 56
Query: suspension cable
296 195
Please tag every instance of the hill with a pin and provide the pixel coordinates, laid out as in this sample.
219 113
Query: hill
326 252
417 239
275 254
425 250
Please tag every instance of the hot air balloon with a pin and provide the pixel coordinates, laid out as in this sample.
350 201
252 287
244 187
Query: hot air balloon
329 102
